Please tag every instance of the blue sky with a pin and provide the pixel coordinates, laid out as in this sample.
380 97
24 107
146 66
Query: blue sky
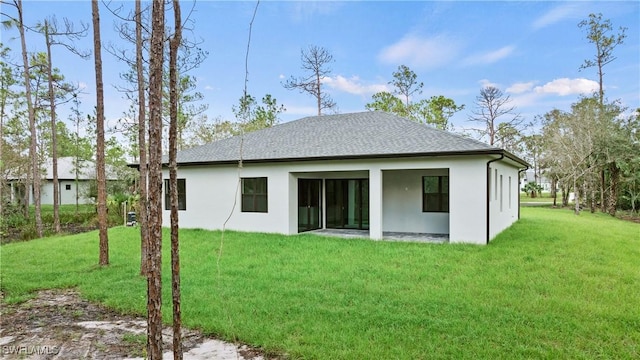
532 51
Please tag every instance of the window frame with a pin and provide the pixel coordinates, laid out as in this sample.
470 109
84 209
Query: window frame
182 195
443 207
255 196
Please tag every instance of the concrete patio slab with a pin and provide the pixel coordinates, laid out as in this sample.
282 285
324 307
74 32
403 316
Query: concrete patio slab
386 236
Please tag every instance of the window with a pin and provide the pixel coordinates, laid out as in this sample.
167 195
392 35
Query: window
254 194
435 194
501 193
182 195
509 192
67 187
495 183
489 185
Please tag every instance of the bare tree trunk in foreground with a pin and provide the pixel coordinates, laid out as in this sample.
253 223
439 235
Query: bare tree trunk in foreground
154 278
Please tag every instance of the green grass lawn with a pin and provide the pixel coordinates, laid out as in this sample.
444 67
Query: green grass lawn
544 197
554 285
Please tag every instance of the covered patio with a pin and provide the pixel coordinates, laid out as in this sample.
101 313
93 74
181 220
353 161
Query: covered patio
382 204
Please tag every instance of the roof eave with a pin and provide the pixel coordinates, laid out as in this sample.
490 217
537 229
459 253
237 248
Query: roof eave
494 151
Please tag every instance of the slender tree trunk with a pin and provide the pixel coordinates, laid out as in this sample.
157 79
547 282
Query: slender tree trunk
318 94
554 192
54 137
3 102
76 154
77 191
592 197
77 164
173 180
603 195
100 161
154 279
603 203
26 197
600 75
586 190
576 197
614 171
33 155
142 147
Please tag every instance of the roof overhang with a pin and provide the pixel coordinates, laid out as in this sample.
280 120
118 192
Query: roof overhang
515 159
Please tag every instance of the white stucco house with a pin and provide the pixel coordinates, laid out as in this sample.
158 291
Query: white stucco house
69 189
369 171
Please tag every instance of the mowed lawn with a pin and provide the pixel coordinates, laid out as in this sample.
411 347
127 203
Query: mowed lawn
554 285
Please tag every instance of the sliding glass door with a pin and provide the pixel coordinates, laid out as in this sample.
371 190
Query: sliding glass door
309 204
347 203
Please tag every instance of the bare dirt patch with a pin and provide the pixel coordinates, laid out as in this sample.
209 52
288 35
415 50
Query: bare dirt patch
58 324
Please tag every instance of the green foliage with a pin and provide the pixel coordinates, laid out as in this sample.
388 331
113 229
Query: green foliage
386 101
598 33
252 117
593 137
203 131
405 83
435 111
136 339
548 287
532 189
15 226
12 216
532 147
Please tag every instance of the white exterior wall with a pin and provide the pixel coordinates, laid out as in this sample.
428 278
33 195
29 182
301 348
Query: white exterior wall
395 202
66 196
468 201
503 204
69 196
402 201
210 195
46 193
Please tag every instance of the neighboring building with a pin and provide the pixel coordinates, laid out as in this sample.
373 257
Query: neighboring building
69 189
370 171
529 176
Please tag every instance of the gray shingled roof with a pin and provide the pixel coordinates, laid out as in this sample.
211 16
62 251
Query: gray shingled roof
66 170
365 134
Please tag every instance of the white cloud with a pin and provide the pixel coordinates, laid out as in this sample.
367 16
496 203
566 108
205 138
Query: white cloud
566 86
281 76
415 51
208 87
522 87
555 15
525 100
486 83
353 85
489 57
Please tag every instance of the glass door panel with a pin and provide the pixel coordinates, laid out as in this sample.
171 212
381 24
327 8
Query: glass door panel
348 203
309 204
